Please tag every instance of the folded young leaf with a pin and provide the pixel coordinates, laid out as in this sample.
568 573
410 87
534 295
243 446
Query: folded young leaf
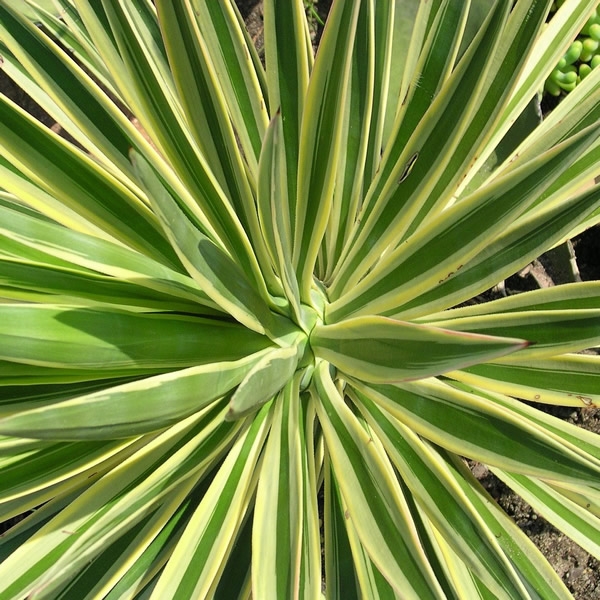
274 206
132 408
382 350
269 375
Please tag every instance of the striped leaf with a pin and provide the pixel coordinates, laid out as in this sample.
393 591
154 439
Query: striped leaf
242 348
492 433
288 59
34 239
454 517
213 527
267 377
523 554
78 533
220 277
378 349
131 408
240 73
113 339
559 510
286 524
571 380
458 234
320 138
381 521
79 182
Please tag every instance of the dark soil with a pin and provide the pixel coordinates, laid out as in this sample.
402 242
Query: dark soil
579 571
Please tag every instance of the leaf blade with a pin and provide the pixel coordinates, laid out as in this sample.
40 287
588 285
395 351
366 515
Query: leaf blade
378 349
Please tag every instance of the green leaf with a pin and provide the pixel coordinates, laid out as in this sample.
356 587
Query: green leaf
573 438
286 522
205 108
219 275
584 295
78 104
381 520
434 66
49 465
132 408
110 339
356 134
201 554
25 281
276 227
340 563
131 45
202 101
269 375
378 349
524 24
479 428
438 250
396 194
151 554
367 582
320 137
568 380
549 47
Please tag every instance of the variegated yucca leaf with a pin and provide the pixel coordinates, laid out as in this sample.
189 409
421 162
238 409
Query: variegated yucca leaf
238 357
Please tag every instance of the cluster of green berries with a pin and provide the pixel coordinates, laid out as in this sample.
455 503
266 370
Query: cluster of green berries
582 56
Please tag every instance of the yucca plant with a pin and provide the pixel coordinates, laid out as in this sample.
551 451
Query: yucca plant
233 356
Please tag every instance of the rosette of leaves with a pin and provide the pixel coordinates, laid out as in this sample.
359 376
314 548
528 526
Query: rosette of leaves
231 363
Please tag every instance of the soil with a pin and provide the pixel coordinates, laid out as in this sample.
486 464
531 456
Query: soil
579 570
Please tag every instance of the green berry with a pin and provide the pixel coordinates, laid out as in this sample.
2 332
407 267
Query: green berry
551 87
573 53
590 46
584 70
594 31
593 20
